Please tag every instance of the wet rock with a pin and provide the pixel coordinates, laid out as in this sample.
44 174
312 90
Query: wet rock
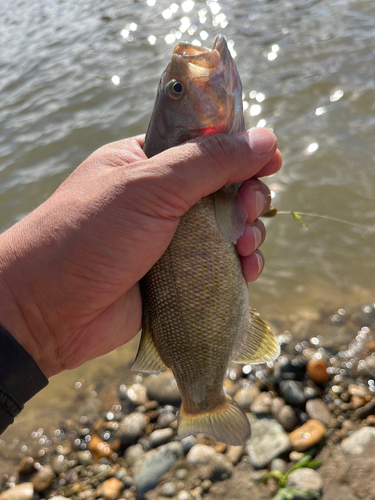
23 491
317 410
133 453
184 495
161 436
292 392
307 435
84 457
132 427
261 404
64 448
99 448
152 465
164 389
289 368
165 419
26 466
59 464
235 453
168 489
276 405
43 478
356 443
181 474
245 396
110 489
268 441
287 418
188 442
366 410
137 394
357 390
317 369
310 393
200 454
306 481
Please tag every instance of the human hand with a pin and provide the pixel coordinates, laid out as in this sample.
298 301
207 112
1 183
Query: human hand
70 270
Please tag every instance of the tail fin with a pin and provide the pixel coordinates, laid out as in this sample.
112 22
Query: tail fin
227 423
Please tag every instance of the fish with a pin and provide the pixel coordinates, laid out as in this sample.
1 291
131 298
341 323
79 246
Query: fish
196 313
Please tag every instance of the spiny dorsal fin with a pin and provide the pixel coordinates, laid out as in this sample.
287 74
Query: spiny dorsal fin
230 212
258 343
148 359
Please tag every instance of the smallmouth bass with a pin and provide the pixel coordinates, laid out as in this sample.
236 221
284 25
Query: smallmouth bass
196 313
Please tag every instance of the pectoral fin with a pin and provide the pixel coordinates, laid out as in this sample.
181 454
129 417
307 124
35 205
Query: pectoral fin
230 212
148 359
258 343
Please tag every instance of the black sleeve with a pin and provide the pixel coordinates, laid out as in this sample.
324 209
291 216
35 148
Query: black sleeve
20 378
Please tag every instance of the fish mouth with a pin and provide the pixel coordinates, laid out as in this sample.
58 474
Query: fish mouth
200 56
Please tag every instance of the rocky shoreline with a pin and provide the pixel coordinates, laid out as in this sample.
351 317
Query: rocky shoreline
312 410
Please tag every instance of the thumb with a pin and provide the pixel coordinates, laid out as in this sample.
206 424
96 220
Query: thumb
203 165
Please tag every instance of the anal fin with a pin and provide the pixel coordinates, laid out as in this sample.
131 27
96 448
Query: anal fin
258 343
148 359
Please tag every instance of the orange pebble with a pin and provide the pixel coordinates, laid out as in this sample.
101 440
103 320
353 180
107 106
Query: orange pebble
317 369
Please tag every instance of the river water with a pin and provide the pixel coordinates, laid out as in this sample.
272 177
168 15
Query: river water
75 75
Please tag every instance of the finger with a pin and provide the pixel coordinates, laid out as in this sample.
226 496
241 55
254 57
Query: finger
200 167
272 166
256 197
252 238
252 266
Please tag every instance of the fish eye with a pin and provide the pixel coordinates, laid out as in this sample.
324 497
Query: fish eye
174 89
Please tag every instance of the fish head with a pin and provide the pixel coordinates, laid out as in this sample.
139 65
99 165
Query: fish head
199 93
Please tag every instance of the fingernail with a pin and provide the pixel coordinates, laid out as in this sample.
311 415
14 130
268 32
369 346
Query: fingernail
260 260
257 235
261 140
260 203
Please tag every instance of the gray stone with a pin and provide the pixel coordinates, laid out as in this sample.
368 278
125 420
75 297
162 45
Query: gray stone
279 464
268 441
261 404
245 396
132 427
161 436
188 442
276 405
292 392
23 491
164 389
152 465
317 410
356 443
133 453
181 474
306 481
287 418
165 419
168 489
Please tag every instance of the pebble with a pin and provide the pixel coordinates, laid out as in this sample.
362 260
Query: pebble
188 442
200 454
206 485
245 396
220 468
23 491
43 478
152 465
161 436
110 489
261 404
268 441
317 369
279 464
133 453
137 394
305 480
64 448
99 448
132 427
163 388
292 392
357 390
287 418
276 405
356 443
165 419
317 410
59 464
295 456
369 366
235 453
307 435
366 410
181 474
183 495
84 457
168 489
26 466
